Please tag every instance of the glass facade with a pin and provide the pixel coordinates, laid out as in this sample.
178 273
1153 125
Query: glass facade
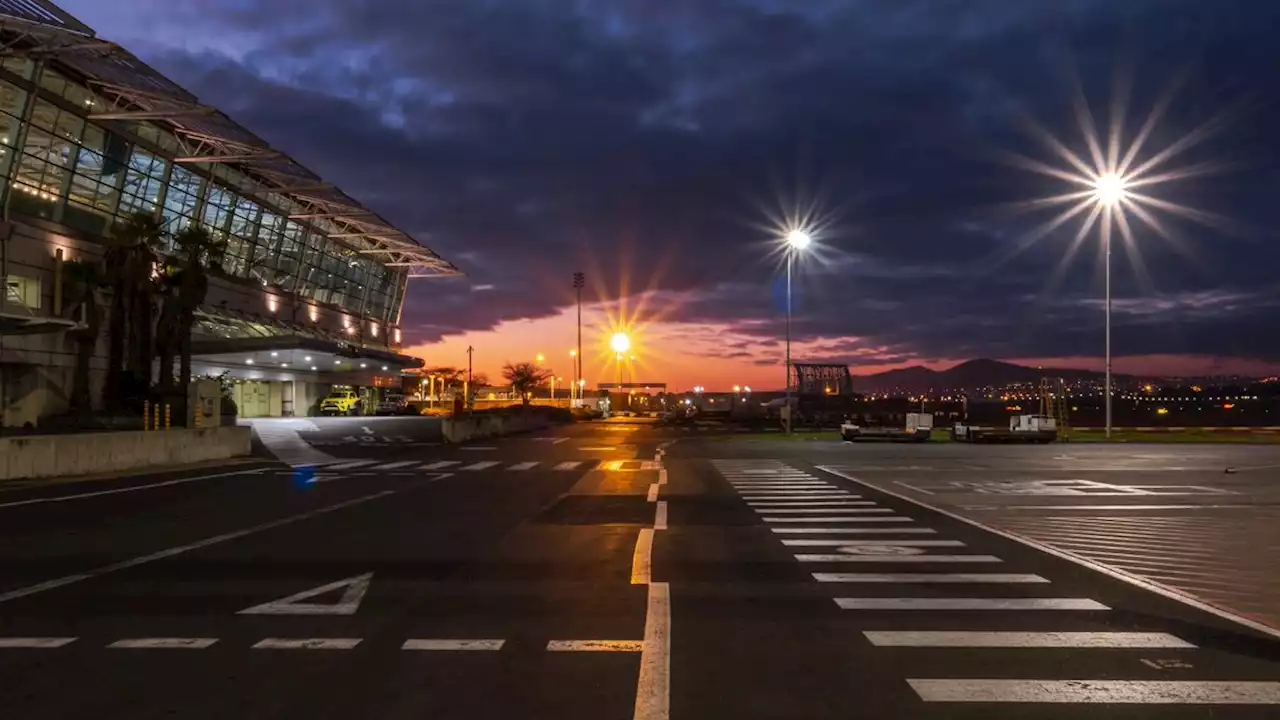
56 165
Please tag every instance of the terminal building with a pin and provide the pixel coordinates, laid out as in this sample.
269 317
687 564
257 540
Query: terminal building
310 293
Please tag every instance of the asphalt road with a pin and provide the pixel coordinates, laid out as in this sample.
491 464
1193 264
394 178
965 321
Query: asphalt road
600 571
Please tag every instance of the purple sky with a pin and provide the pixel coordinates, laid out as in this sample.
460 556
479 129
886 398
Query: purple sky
649 143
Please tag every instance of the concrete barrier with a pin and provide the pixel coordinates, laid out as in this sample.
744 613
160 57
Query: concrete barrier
485 425
46 456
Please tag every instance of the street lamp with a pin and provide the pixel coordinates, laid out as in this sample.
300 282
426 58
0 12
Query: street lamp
620 344
573 355
540 359
797 240
1109 191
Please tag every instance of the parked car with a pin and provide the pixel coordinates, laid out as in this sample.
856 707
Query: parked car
340 402
393 404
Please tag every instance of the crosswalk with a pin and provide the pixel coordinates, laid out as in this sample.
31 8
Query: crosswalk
925 600
376 467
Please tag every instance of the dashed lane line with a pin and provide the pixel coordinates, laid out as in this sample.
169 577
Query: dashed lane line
890 519
642 558
910 578
820 558
307 644
35 643
856 531
595 646
480 465
966 639
449 645
164 643
923 603
1157 692
848 542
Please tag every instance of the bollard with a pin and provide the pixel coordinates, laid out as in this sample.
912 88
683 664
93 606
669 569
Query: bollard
146 414
166 416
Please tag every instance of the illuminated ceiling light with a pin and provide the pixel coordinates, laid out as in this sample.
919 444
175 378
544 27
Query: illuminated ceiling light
307 358
249 361
384 367
275 354
364 365
314 368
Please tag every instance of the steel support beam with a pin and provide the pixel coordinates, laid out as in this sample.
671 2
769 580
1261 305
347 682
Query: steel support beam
246 158
153 114
327 216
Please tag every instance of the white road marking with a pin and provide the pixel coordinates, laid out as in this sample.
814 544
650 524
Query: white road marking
808 507
894 518
806 503
136 488
847 542
855 531
440 464
394 465
660 516
161 555
34 643
477 447
642 559
662 476
595 646
966 603
795 495
523 466
480 465
1145 584
347 605
567 465
162 643
827 510
928 578
307 644
598 449
424 644
1161 692
653 493
653 688
1119 640
349 465
900 558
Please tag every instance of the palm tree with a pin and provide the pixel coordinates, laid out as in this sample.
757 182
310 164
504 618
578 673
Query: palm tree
525 377
83 281
199 254
129 262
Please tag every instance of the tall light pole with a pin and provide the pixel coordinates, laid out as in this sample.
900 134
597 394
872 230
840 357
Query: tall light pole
1109 190
620 344
797 241
573 356
579 280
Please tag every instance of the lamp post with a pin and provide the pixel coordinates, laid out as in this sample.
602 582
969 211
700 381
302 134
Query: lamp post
573 357
579 280
797 241
1109 190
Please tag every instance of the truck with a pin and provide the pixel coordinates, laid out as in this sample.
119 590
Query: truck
919 426
341 402
1022 428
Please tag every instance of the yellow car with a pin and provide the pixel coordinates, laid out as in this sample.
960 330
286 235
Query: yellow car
340 402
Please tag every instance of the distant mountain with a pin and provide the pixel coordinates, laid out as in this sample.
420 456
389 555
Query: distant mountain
970 374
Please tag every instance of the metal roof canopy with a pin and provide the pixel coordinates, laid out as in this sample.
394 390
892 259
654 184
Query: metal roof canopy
205 134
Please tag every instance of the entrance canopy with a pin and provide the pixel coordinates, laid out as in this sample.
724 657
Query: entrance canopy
300 354
11 324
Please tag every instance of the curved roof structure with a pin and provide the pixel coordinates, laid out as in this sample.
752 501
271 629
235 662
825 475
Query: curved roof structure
204 133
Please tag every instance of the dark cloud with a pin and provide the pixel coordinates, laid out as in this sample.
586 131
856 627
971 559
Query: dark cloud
644 142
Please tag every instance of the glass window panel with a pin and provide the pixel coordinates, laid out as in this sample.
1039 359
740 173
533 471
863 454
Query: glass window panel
53 81
12 99
217 207
21 67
